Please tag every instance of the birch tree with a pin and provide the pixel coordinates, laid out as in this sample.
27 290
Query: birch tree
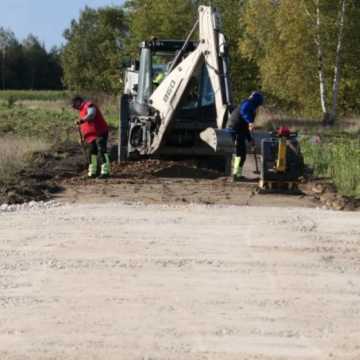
329 113
300 48
320 57
337 68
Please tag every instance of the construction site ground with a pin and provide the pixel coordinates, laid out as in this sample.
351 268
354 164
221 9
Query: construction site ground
168 261
180 182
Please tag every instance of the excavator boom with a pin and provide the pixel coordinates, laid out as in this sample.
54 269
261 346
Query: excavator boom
210 52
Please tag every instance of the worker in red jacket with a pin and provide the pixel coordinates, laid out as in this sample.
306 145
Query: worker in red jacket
95 132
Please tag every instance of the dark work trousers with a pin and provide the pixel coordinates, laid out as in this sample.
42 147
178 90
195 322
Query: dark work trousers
241 134
99 147
240 146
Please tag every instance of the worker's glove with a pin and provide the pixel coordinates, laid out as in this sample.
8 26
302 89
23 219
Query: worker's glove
251 127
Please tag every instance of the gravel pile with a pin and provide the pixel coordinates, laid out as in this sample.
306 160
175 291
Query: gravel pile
32 205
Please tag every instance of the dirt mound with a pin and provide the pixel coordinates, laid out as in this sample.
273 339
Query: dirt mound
326 193
163 169
65 165
27 190
39 181
64 161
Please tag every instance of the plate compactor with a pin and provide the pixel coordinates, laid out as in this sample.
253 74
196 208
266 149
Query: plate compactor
282 163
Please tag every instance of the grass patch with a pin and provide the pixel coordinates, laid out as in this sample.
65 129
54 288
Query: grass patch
52 120
50 125
336 157
16 153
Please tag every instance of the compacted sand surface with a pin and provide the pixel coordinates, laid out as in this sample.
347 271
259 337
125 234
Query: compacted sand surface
121 281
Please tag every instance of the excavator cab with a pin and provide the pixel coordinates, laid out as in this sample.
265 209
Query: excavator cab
155 58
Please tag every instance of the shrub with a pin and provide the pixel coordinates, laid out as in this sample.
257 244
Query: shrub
337 158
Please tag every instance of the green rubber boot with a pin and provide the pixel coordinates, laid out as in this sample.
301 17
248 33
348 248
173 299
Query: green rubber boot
237 169
105 167
93 166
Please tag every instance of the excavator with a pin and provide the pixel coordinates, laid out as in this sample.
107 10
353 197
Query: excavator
184 113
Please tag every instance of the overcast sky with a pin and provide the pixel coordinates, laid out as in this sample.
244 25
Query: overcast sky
46 19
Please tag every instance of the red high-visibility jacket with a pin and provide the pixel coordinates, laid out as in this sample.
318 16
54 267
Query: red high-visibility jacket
95 128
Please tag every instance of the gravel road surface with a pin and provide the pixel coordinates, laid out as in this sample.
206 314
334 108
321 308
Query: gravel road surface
117 281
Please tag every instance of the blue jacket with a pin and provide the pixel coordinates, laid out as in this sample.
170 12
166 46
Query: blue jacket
245 113
248 107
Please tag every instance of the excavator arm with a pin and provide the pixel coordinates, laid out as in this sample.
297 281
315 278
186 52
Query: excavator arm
211 52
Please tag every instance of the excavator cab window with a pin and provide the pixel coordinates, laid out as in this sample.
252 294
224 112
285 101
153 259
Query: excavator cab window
156 58
207 92
199 92
159 69
190 99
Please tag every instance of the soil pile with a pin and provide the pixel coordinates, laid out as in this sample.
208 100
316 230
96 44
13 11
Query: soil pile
40 180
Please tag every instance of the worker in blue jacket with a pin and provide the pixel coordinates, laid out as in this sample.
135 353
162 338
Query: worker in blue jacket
240 124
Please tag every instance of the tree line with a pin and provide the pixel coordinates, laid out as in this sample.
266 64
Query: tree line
28 65
302 54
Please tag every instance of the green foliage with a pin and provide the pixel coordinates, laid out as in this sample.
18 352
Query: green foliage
337 158
280 39
160 19
92 56
243 71
47 114
51 125
272 47
277 39
350 86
